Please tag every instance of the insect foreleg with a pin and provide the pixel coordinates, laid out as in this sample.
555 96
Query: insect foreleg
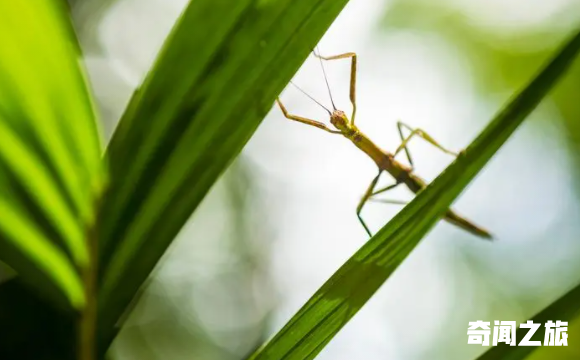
304 120
352 56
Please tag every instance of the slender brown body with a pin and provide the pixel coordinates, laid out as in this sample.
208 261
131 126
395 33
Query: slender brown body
402 173
385 161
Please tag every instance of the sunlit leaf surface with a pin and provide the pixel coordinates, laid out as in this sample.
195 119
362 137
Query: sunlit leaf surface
50 156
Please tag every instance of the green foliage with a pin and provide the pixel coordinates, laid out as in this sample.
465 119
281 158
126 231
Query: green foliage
50 158
198 106
499 62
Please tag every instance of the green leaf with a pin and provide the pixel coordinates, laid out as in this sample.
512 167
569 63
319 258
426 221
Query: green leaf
334 304
214 81
50 156
565 308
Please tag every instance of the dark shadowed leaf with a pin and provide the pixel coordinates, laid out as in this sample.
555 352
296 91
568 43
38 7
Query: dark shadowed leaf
213 82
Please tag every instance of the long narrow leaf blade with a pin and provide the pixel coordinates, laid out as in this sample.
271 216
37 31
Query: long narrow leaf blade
205 96
334 304
50 156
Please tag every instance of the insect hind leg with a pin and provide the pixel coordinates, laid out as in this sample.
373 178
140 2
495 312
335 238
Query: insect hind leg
417 132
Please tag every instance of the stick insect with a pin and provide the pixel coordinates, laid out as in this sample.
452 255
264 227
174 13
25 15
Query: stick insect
384 160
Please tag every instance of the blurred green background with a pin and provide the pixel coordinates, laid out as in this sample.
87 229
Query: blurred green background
225 287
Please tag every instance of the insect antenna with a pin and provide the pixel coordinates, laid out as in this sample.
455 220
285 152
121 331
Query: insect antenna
325 77
311 98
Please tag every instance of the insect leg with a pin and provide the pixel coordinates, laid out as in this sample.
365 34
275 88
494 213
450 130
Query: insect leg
303 120
385 189
389 201
422 134
352 56
407 152
364 199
